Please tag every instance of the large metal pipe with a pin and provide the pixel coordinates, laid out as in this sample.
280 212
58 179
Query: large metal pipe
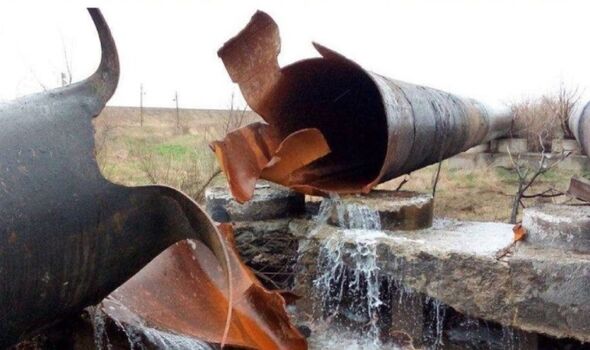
579 123
374 128
69 237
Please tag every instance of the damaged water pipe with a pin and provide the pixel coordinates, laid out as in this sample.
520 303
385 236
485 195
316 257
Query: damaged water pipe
332 126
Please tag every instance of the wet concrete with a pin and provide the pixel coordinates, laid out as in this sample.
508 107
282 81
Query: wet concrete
394 210
473 268
541 290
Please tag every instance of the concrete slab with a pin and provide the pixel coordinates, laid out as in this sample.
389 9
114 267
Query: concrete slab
391 210
470 161
558 226
269 202
513 146
536 290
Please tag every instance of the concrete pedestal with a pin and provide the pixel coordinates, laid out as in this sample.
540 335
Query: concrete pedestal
558 226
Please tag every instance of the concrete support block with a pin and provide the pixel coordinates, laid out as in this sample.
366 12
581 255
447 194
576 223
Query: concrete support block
484 147
268 202
514 146
565 145
558 226
396 210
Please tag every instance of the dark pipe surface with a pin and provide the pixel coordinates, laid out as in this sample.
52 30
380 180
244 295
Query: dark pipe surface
68 237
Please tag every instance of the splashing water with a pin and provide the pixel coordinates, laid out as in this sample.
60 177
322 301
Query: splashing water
138 337
362 217
348 285
165 340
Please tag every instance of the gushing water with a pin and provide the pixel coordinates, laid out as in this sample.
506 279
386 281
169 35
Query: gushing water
347 286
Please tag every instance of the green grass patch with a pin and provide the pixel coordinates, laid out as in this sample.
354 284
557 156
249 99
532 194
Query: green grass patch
172 150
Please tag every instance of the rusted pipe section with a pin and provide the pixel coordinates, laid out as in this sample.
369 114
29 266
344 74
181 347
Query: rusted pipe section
355 128
579 123
69 237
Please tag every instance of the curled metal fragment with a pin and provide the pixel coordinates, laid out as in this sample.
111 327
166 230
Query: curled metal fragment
68 237
193 303
375 128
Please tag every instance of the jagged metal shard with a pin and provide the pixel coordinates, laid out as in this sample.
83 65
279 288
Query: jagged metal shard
334 126
68 237
181 292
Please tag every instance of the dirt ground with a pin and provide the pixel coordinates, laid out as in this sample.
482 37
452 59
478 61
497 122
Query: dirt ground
161 152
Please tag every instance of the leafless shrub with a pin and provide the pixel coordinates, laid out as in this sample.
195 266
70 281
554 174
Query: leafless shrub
542 119
528 174
564 102
191 174
235 117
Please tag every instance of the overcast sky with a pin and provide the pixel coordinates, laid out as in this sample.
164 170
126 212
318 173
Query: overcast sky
495 51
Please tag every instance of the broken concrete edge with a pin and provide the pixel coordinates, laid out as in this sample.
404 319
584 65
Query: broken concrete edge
542 291
579 188
396 210
268 202
559 226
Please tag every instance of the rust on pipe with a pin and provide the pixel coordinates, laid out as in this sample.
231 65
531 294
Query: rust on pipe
356 128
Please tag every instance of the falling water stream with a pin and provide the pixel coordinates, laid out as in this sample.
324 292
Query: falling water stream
351 295
347 287
142 338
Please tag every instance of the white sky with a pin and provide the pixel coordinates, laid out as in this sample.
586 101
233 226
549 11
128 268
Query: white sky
495 51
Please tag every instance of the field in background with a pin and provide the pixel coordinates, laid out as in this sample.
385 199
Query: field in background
480 194
161 152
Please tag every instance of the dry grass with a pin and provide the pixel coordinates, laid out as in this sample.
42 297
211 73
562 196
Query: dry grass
159 153
481 194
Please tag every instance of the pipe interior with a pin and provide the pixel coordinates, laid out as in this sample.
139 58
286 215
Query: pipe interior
342 101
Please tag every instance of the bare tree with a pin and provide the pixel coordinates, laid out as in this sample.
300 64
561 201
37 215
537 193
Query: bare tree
546 116
527 175
235 118
563 104
103 135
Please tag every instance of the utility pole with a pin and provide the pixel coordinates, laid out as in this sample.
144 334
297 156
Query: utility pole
177 111
64 80
141 93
